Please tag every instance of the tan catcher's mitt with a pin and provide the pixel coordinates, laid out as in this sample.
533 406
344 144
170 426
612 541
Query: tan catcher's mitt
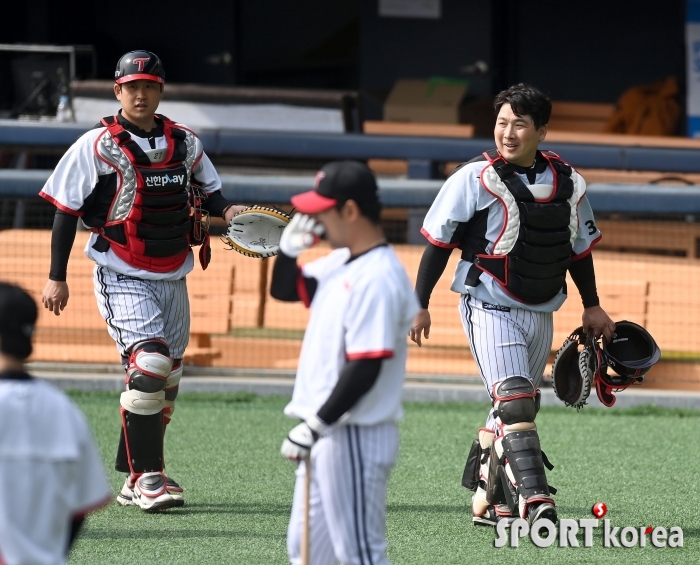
574 369
256 231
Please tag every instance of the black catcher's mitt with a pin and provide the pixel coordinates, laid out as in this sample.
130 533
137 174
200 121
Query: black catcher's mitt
574 369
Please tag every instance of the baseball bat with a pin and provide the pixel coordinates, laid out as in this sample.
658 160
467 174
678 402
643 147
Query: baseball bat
306 524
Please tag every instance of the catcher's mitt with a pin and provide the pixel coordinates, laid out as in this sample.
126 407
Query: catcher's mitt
574 369
256 231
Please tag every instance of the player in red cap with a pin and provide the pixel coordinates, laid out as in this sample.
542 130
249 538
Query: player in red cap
352 365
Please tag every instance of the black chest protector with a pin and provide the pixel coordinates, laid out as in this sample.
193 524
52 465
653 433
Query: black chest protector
534 269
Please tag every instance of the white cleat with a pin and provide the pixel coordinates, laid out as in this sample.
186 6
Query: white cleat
126 495
151 495
175 490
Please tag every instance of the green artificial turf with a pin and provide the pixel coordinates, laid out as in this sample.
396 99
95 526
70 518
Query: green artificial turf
224 450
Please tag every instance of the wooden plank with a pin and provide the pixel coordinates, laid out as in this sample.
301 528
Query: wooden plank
582 110
638 177
388 166
573 125
418 129
620 139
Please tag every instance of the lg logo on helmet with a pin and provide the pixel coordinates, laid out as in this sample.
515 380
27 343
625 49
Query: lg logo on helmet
141 62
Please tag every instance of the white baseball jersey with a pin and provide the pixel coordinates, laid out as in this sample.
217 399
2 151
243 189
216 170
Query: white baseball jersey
362 309
73 183
50 472
464 194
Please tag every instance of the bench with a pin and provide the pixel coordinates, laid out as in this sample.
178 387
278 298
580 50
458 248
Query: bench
580 116
399 166
79 333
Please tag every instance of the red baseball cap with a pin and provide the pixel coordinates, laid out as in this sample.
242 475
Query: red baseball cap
336 183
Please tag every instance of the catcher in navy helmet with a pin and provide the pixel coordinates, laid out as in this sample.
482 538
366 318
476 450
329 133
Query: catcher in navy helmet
142 184
139 80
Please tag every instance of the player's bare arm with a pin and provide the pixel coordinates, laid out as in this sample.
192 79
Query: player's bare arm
421 324
55 295
231 211
595 319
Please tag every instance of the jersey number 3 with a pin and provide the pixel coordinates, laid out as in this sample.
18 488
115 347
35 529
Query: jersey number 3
591 227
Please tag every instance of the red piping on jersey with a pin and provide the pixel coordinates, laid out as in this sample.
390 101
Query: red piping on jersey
60 207
382 354
438 243
301 289
503 203
587 251
101 504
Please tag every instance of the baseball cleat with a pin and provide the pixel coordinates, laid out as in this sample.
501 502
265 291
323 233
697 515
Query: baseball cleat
126 495
488 518
174 490
151 495
541 511
493 516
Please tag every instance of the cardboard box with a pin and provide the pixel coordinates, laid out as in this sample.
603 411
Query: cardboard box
431 101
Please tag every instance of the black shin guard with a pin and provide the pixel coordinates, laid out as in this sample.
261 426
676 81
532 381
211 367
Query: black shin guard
524 455
122 463
144 441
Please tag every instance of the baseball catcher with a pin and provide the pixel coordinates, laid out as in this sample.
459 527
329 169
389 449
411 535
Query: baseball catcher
145 188
522 221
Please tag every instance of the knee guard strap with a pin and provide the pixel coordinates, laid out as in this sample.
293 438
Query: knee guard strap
515 400
172 384
149 366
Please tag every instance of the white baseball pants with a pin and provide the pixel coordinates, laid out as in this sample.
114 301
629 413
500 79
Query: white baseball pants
506 342
350 470
137 310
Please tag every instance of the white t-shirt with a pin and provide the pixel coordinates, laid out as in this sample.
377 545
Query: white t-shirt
76 176
50 472
462 196
362 309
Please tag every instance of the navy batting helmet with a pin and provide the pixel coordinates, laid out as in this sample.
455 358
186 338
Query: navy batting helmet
631 352
139 65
